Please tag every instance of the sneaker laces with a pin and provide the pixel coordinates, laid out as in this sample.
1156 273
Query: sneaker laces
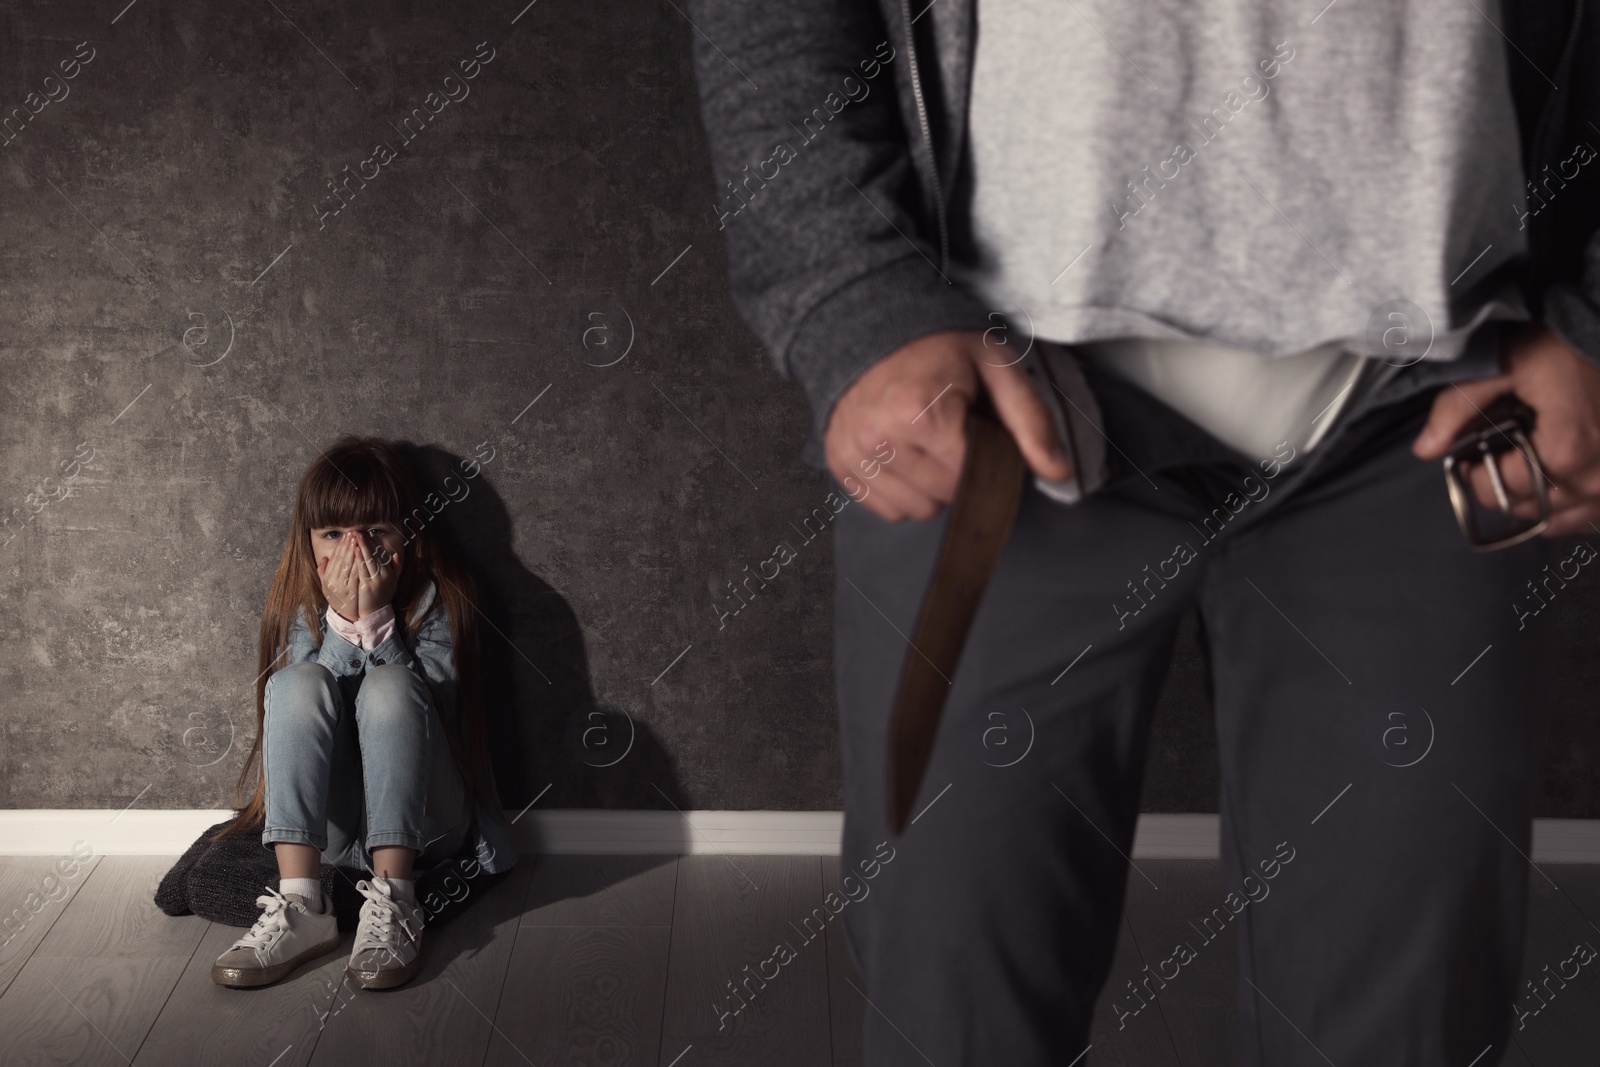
272 923
380 916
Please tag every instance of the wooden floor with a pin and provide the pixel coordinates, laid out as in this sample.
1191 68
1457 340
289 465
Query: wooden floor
608 960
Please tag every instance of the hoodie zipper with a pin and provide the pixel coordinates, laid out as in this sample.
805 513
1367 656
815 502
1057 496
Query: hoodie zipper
927 136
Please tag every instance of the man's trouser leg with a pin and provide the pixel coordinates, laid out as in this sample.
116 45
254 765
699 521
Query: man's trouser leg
989 933
1365 658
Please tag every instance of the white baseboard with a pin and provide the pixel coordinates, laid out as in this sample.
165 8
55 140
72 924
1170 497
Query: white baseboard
1175 837
801 833
1566 840
52 832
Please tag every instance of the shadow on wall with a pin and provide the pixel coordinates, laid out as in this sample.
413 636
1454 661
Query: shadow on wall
551 740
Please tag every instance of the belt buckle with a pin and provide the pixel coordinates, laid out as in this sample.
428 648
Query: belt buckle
1503 428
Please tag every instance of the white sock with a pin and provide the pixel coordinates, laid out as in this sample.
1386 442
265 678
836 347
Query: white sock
308 889
403 889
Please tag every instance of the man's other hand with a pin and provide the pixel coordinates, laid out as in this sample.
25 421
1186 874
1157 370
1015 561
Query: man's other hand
916 399
1563 388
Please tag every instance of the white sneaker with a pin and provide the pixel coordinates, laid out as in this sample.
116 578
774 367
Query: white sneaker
286 935
388 948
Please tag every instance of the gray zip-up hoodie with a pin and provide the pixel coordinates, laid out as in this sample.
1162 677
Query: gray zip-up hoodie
836 139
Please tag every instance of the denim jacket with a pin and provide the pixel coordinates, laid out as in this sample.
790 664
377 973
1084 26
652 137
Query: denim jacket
427 651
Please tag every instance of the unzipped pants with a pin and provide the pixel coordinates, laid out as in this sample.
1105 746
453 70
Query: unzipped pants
1380 693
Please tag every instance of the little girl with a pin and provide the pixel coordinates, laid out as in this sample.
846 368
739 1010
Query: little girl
370 730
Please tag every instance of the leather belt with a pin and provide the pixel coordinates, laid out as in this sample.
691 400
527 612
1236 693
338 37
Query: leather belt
979 522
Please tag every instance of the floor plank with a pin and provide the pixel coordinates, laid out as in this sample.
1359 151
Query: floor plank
847 1006
583 994
732 913
204 1024
618 961
84 1012
588 975
27 886
740 1050
114 914
442 1016
602 891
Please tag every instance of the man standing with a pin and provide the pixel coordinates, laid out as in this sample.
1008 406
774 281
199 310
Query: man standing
1293 251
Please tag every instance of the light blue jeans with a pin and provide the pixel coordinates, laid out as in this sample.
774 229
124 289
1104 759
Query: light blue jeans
359 763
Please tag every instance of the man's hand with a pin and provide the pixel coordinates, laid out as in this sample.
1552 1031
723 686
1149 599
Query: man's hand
1563 388
916 399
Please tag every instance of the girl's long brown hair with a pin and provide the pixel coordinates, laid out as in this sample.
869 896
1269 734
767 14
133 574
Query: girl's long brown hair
364 479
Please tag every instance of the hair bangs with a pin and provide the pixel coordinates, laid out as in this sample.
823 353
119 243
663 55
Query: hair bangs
349 489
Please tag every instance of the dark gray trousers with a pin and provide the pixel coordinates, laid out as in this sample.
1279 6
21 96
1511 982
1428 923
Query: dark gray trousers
1349 631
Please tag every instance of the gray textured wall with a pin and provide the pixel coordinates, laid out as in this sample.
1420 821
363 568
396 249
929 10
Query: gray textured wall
186 320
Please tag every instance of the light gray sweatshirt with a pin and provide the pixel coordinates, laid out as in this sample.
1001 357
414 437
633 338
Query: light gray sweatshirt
1254 175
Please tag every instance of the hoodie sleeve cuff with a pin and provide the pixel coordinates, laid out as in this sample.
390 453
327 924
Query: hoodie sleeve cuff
866 320
1576 317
